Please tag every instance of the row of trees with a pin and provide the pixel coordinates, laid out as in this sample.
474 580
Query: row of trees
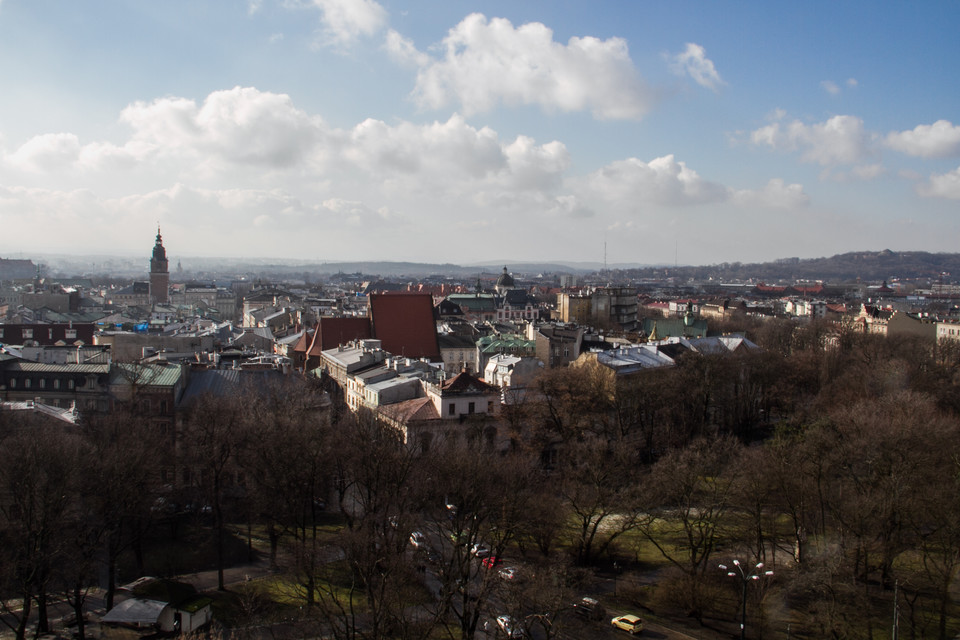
831 457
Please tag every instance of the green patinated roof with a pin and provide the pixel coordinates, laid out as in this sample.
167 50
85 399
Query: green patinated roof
675 328
153 375
43 367
494 344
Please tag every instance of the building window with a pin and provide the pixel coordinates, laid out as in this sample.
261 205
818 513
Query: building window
56 383
26 383
71 334
470 407
43 383
13 383
70 384
452 409
28 333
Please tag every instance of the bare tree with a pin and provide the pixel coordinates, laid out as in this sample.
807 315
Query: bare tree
212 437
598 483
38 482
691 491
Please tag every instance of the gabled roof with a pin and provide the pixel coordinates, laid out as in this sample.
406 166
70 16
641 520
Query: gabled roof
415 410
146 375
465 384
303 341
517 298
722 344
331 332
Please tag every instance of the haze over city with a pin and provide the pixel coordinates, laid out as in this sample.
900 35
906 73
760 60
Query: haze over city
466 132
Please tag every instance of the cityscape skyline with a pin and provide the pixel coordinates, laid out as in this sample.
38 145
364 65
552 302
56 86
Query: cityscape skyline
337 130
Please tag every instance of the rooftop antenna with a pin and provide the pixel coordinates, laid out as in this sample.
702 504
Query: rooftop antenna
604 257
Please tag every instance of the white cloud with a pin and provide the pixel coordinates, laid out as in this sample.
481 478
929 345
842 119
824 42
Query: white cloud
345 21
776 194
253 6
403 51
281 175
47 152
693 61
357 213
839 140
868 171
451 148
938 140
486 63
946 185
851 82
664 181
830 87
237 126
532 166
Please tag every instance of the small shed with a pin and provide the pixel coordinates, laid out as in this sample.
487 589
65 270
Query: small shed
159 606
141 614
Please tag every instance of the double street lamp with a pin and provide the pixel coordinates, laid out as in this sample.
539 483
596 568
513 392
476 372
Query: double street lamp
746 575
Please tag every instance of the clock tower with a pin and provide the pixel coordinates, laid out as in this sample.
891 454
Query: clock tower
159 273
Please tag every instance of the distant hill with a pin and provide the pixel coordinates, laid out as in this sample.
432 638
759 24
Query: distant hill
874 266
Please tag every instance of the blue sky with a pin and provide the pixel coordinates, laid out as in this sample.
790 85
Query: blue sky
701 132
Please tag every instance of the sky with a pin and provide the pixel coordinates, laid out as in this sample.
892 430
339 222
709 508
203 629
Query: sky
459 131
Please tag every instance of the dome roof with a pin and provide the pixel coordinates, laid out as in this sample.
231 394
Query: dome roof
505 280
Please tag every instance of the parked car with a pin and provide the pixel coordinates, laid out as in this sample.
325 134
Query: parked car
417 539
508 573
480 550
491 561
590 608
509 627
629 623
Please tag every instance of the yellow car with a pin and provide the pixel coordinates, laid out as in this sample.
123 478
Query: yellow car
629 623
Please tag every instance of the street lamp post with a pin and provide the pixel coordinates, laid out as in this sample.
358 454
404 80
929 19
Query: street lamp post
745 576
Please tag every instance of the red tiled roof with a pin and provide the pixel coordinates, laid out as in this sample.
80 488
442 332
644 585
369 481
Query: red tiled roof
332 332
813 288
415 410
404 324
303 344
465 383
770 288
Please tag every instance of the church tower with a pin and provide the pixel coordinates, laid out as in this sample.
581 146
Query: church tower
159 273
